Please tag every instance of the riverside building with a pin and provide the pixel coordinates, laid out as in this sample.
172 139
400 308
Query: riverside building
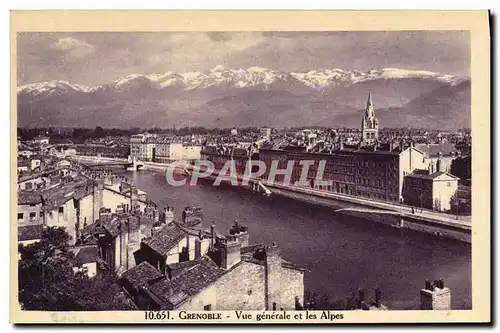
368 169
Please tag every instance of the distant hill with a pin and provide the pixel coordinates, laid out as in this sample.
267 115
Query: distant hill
251 97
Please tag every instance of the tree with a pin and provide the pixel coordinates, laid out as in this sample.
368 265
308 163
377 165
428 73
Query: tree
461 202
47 280
99 132
461 168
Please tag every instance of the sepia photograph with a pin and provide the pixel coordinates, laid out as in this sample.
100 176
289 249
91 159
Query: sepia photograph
182 175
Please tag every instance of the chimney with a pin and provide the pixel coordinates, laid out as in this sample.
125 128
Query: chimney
435 296
428 285
230 253
361 298
134 196
391 145
240 233
169 214
378 297
201 245
439 163
213 236
273 276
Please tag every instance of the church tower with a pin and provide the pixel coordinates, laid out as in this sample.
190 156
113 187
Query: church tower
369 124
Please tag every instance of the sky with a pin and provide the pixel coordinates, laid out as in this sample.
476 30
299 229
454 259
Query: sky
99 58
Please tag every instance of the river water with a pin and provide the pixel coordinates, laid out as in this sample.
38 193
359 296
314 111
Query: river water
341 253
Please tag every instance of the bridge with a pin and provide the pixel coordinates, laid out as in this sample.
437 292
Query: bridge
131 163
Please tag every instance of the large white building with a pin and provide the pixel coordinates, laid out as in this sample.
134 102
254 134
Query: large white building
161 149
142 146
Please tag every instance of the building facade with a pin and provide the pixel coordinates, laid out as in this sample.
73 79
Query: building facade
142 146
167 151
367 174
265 133
161 149
430 190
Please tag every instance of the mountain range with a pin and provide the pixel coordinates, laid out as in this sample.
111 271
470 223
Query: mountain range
254 96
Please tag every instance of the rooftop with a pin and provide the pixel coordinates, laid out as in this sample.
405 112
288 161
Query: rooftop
424 174
29 198
87 254
165 239
142 274
433 150
189 282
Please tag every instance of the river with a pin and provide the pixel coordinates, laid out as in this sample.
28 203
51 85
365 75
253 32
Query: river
341 253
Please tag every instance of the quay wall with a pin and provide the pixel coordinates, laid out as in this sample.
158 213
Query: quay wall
392 218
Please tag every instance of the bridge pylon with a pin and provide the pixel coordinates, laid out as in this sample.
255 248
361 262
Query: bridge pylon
136 163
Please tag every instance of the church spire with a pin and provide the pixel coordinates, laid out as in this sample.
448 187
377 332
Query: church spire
369 124
369 106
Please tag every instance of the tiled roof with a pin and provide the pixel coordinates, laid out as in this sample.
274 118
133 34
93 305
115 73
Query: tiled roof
345 151
190 282
29 198
432 150
422 175
22 161
178 268
142 274
56 196
87 254
252 248
29 232
112 226
165 239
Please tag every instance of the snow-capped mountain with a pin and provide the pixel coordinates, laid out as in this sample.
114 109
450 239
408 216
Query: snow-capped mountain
243 78
232 97
51 87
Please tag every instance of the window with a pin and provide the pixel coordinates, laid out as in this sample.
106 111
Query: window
207 307
32 215
61 210
448 184
41 214
20 216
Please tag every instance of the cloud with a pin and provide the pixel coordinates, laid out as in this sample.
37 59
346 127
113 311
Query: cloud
74 57
73 48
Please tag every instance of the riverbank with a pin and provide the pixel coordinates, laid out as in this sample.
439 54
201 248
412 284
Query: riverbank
398 216
394 215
